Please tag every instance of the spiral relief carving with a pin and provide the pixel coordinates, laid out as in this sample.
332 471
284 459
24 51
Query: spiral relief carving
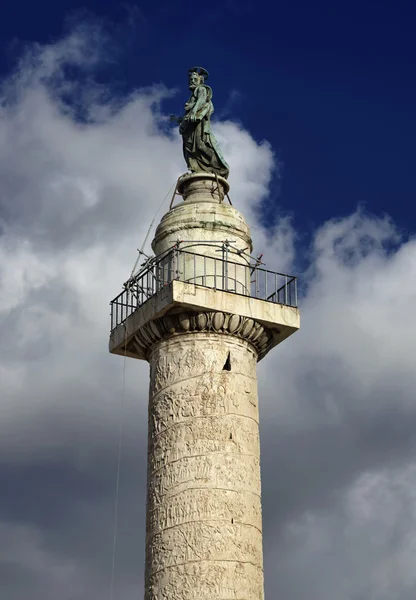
191 322
203 524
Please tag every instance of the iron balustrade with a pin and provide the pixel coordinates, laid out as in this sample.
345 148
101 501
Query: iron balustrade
203 270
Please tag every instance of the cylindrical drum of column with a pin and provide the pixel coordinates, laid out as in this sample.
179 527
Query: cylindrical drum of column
204 529
214 239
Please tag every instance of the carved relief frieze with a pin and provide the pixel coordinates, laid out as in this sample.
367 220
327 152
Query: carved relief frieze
204 541
227 471
197 505
203 530
207 580
228 435
212 394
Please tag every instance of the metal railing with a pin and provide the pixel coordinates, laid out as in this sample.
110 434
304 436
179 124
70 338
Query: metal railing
206 271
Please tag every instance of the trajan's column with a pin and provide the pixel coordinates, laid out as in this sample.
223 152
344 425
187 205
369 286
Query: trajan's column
203 312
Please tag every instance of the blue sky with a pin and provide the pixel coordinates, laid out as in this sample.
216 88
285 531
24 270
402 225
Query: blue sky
315 115
329 85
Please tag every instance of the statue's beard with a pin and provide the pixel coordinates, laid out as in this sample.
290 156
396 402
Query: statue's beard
194 84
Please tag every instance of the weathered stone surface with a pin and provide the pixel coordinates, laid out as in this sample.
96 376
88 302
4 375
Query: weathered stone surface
204 528
202 187
202 218
208 580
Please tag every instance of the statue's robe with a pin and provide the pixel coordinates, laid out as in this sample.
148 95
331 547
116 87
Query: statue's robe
200 148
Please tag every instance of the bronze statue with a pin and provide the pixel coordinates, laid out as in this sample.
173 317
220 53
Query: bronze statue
200 148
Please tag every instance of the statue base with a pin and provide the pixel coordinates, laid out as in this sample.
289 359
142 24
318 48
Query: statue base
203 187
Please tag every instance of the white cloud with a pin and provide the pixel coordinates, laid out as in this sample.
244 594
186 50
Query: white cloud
365 546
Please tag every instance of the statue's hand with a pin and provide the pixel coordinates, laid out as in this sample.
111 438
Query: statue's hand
193 118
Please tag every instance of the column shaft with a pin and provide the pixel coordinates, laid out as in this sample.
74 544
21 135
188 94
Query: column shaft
204 530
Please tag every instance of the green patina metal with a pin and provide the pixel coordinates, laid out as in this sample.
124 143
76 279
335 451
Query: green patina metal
200 147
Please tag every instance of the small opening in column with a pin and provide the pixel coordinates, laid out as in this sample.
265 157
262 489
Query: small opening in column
227 364
232 521
231 436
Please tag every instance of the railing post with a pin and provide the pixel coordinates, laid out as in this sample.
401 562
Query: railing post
178 264
223 266
226 267
194 277
215 273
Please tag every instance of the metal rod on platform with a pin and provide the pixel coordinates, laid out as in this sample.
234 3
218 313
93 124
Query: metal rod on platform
215 273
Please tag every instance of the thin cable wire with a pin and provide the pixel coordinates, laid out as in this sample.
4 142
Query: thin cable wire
121 426
150 228
120 447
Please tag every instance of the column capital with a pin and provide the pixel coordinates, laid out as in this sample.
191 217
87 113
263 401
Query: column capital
193 322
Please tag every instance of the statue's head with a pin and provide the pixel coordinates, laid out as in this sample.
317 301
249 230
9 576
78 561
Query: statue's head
196 76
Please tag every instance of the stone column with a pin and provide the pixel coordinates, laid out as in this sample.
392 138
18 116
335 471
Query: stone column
204 537
202 333
204 529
